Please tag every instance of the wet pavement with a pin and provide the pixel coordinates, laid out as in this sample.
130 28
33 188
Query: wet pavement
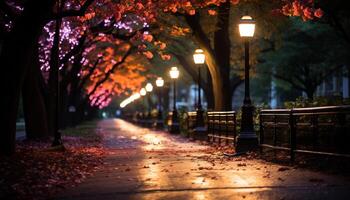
146 164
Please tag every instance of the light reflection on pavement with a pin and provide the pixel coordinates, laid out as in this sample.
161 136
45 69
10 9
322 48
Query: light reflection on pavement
147 164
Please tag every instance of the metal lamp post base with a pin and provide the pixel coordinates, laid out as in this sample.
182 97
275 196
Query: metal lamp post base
200 133
175 126
247 140
200 130
159 124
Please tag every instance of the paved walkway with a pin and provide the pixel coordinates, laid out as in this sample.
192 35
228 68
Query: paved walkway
146 164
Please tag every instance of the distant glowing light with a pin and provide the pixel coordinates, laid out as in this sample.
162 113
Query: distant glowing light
143 92
160 82
174 73
149 87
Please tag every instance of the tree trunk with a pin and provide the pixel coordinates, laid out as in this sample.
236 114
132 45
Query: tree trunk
54 99
217 59
348 66
214 69
14 57
33 102
222 48
209 93
235 83
310 93
206 85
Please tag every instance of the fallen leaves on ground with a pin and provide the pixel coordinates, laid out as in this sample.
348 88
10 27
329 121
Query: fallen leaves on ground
37 172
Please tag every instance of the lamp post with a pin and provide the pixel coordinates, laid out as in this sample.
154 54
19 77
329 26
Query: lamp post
247 139
174 128
159 84
149 88
143 93
199 60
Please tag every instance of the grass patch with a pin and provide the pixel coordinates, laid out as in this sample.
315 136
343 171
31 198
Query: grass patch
86 130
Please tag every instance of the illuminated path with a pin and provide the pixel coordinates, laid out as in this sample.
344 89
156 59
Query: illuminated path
146 164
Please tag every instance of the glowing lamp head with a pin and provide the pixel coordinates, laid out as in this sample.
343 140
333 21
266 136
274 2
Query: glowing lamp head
143 92
159 82
246 26
199 57
174 73
149 87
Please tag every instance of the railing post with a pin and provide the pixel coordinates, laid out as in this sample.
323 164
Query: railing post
314 130
219 128
261 133
234 127
340 136
292 128
188 124
226 123
209 126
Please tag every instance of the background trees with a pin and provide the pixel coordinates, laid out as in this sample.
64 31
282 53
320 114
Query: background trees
24 24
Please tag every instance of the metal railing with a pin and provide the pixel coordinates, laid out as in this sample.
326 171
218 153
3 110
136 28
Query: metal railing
222 126
191 121
316 130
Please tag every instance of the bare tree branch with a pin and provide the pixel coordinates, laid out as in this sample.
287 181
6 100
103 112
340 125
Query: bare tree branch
71 13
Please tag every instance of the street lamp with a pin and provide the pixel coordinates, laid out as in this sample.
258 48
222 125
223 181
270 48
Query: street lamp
199 59
149 88
159 84
247 139
174 128
143 93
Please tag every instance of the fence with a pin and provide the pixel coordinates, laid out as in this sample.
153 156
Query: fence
317 130
191 123
222 126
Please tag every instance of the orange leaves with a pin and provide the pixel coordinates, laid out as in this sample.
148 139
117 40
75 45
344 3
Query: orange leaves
304 9
234 2
160 44
192 12
212 12
165 56
179 31
147 37
87 16
148 54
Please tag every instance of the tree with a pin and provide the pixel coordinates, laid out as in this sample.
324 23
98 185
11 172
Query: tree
304 59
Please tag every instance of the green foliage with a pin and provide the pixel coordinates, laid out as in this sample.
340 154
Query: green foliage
85 130
308 54
182 116
302 102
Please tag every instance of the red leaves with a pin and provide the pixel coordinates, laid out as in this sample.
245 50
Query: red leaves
318 13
